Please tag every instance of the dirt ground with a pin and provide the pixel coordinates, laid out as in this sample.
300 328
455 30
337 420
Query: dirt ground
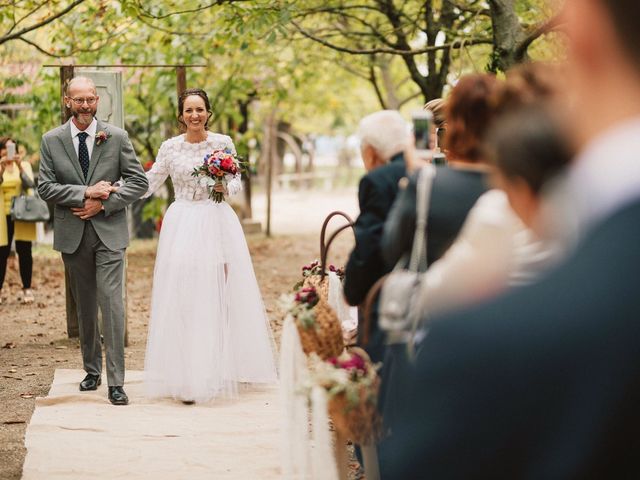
33 338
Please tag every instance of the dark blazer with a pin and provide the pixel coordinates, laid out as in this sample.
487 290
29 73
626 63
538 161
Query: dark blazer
376 194
543 383
453 194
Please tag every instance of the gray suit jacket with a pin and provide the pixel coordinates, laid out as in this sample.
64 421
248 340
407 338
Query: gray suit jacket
61 182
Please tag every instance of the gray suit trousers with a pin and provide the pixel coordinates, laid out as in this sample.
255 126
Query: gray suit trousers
96 278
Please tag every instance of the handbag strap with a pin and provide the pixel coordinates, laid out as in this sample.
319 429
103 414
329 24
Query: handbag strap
418 259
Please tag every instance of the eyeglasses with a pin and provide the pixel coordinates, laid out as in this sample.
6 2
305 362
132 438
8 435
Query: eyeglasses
80 101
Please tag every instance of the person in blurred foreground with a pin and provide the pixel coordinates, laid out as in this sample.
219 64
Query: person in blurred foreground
545 381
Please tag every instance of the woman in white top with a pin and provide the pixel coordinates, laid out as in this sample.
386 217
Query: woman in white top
208 330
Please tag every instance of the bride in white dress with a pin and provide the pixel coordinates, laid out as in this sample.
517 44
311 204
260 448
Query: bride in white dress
208 329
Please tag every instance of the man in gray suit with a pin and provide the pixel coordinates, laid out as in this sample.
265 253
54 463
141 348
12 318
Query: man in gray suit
79 163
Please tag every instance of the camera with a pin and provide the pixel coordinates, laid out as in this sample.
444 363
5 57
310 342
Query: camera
11 150
422 122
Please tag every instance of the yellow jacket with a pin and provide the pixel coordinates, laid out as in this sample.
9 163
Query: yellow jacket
10 187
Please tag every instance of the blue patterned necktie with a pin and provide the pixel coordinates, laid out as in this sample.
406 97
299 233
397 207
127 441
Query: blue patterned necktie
83 153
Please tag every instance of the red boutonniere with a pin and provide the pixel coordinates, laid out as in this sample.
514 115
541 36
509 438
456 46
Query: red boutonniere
102 137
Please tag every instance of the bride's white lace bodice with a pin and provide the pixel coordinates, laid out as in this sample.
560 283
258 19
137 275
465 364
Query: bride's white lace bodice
177 158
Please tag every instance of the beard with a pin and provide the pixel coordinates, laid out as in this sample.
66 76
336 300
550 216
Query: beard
83 117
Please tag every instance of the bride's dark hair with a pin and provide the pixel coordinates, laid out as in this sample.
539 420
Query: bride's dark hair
189 92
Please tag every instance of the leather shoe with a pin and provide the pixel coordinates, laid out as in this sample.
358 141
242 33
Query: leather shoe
90 382
117 396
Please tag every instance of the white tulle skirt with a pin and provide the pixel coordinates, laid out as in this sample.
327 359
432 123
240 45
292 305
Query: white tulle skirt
208 330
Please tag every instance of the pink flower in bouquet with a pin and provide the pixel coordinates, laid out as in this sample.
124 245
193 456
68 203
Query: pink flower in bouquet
227 164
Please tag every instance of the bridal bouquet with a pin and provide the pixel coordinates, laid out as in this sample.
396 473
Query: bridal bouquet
217 165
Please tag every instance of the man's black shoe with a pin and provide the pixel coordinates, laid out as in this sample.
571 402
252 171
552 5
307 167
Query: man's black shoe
117 396
90 382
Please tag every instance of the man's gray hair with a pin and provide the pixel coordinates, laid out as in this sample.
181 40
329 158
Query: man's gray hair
80 79
386 131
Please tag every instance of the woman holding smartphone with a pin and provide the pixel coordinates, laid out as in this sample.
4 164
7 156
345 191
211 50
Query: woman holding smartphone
15 175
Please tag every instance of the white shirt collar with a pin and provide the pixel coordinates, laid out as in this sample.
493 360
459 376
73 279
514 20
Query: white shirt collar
604 178
90 130
606 175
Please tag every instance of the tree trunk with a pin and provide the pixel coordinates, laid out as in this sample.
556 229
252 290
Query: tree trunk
508 36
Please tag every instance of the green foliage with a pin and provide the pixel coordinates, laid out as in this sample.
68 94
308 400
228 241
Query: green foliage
154 209
252 53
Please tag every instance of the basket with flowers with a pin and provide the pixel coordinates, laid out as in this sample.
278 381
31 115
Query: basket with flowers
318 326
352 384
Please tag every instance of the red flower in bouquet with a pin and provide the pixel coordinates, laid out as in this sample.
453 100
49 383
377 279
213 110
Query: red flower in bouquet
218 166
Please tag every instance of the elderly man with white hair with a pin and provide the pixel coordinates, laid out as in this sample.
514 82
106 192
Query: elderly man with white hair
384 136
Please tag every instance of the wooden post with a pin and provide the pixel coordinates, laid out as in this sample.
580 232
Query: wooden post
271 153
370 458
181 79
342 461
66 74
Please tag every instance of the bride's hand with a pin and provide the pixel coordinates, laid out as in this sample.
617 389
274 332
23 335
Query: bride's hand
219 187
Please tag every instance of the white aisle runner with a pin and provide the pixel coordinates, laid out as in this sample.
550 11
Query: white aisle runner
80 435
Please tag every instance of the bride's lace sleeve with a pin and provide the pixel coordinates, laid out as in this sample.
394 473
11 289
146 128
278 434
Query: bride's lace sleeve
159 172
234 185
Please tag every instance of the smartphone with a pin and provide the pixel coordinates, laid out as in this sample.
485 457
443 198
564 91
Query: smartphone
439 158
440 133
11 150
422 122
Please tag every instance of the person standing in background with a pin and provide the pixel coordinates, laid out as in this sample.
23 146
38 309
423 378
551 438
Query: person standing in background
384 137
15 176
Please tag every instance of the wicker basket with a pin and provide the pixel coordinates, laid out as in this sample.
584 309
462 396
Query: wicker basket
361 424
320 283
325 337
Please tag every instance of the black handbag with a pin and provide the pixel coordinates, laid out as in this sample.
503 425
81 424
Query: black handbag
29 208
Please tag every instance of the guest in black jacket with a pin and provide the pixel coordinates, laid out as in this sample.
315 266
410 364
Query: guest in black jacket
458 185
544 383
384 137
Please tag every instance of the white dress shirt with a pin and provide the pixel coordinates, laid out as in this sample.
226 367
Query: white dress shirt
90 130
604 178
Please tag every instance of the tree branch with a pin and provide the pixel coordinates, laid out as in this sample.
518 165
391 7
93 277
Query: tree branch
476 11
551 25
40 24
393 51
148 14
372 78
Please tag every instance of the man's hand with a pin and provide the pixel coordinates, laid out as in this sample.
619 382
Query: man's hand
415 161
100 190
91 207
